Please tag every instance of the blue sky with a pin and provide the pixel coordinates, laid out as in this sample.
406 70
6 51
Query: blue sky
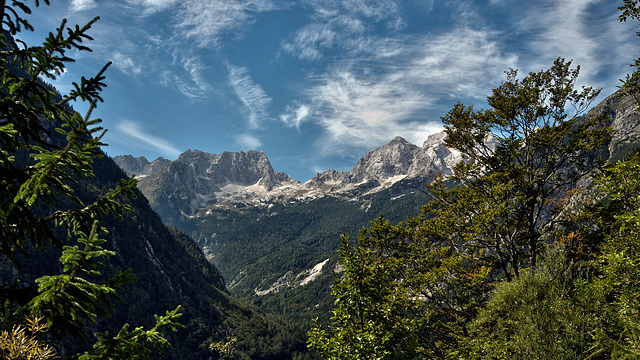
315 84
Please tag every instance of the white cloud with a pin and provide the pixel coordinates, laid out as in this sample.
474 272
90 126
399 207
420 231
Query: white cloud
387 87
374 10
248 141
82 5
126 64
573 30
207 21
295 116
561 28
152 6
133 131
362 113
464 63
310 42
196 87
340 24
254 100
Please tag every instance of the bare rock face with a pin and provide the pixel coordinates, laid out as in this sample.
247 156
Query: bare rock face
393 162
387 161
624 118
198 180
139 166
240 168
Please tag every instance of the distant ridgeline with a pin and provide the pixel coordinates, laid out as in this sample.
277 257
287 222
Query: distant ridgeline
274 239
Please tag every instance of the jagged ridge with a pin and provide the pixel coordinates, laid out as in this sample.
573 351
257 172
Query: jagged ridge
198 181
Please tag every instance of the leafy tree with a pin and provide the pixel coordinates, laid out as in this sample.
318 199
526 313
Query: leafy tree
411 290
399 297
46 149
550 312
631 84
521 157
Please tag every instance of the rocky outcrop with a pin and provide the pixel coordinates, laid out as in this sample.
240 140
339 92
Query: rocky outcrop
198 179
624 119
390 163
139 166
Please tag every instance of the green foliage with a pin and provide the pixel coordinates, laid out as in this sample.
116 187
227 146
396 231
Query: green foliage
399 296
493 222
227 346
631 83
134 344
412 290
543 314
47 150
510 195
253 250
69 300
619 333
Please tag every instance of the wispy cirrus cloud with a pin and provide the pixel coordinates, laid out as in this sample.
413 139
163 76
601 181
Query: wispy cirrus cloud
361 108
127 129
255 101
463 63
148 7
207 21
201 24
204 21
340 25
126 63
560 28
358 112
190 81
573 30
295 115
82 5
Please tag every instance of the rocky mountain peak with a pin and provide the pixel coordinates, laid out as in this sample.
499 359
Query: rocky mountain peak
198 180
398 140
139 166
240 168
387 161
434 140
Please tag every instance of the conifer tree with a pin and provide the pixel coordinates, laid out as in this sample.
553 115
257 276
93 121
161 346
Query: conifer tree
47 148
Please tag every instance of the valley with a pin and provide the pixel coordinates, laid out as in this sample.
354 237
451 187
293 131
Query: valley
267 233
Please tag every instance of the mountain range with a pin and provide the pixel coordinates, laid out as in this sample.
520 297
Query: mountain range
198 182
274 239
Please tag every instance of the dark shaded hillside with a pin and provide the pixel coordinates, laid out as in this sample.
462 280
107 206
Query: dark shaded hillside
171 271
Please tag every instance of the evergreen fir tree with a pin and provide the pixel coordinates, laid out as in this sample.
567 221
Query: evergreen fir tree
47 148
